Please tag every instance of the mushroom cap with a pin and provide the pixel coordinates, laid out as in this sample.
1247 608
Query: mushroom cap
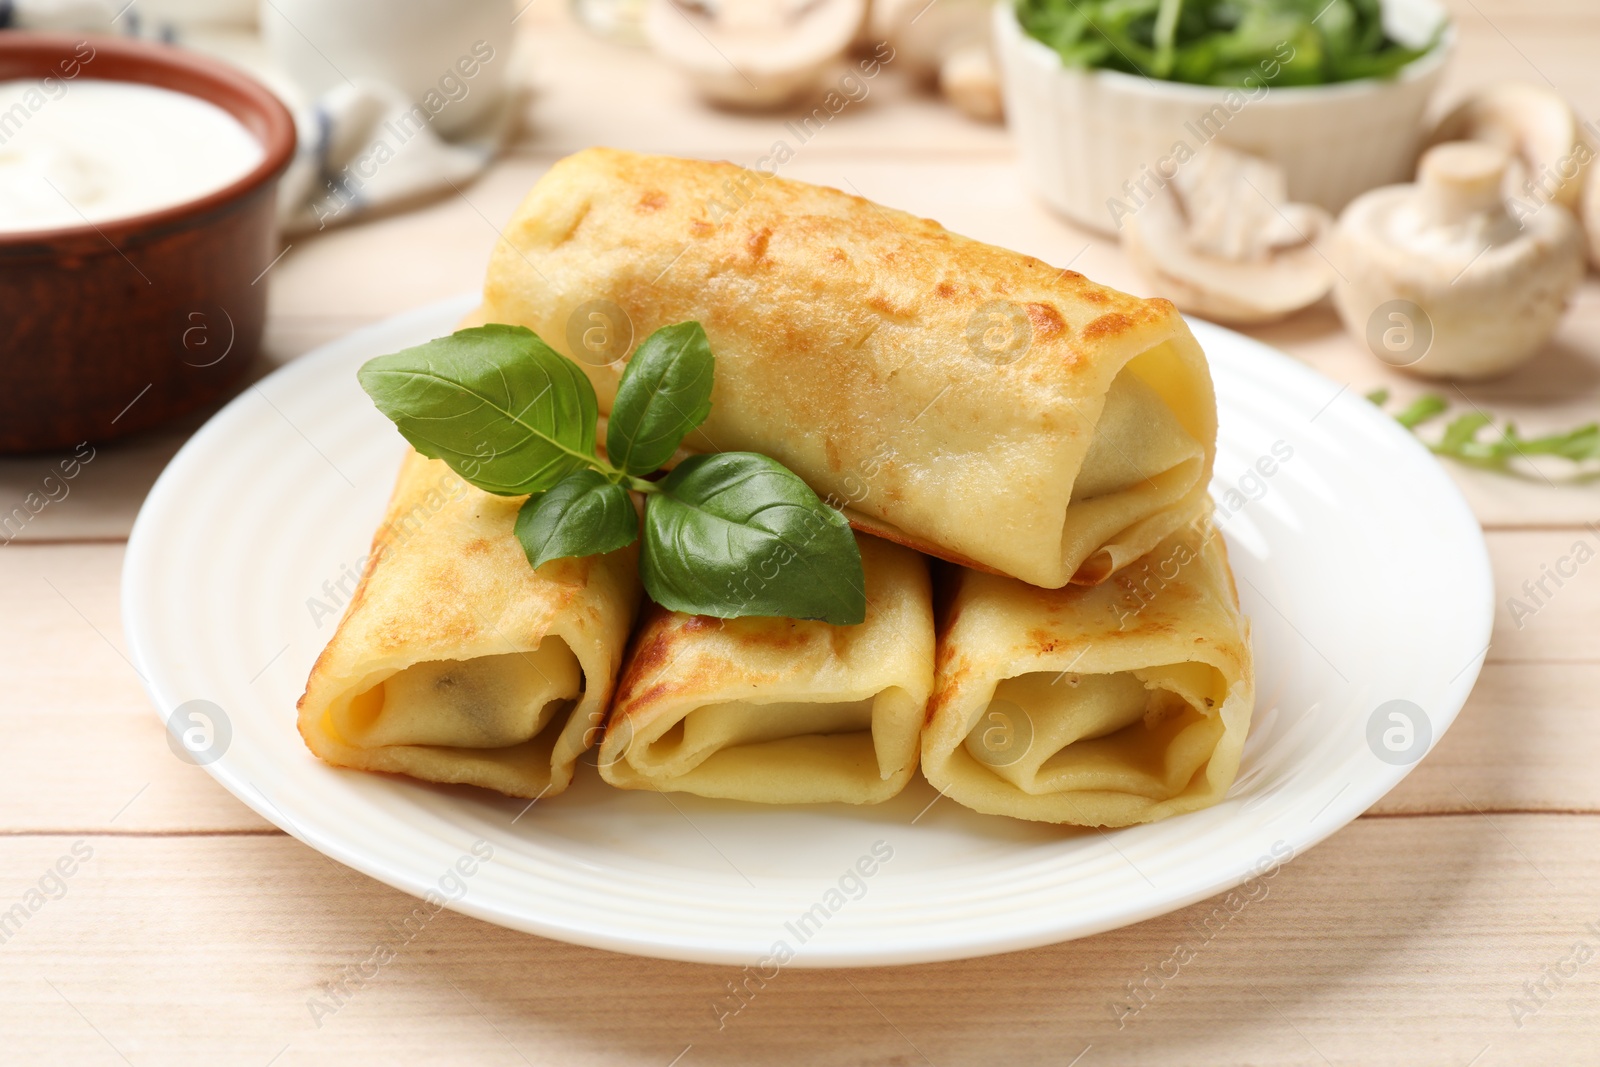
752 53
1537 126
1491 287
1219 239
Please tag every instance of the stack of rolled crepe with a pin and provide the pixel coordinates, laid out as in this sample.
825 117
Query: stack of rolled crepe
1040 431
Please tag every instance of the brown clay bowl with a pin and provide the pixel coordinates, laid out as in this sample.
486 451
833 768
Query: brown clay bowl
110 328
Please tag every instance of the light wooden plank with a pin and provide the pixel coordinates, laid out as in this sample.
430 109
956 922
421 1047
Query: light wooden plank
40 502
1399 941
1550 41
1541 615
1524 742
84 749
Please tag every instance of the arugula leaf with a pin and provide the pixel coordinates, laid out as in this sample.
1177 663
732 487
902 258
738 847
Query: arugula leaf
586 514
1460 439
502 408
1576 445
665 392
735 533
1164 35
1461 433
1243 43
1421 410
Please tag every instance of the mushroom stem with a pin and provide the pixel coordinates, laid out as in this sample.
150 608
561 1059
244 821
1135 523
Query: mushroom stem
1462 179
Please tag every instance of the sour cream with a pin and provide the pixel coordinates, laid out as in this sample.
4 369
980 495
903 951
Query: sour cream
89 150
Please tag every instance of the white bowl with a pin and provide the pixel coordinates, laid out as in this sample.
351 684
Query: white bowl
1083 134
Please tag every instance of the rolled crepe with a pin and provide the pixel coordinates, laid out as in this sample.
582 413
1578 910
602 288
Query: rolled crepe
458 662
1120 704
780 711
967 401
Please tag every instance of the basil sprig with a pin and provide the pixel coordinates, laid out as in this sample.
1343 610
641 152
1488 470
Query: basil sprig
728 534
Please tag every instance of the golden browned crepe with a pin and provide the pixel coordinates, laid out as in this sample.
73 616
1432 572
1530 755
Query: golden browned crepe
780 711
1123 703
968 401
458 662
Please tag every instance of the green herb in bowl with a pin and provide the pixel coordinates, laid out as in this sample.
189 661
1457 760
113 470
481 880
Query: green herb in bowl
1245 43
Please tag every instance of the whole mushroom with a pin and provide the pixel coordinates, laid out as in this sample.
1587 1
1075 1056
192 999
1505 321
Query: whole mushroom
1220 238
947 41
924 34
1537 127
753 53
1469 290
970 79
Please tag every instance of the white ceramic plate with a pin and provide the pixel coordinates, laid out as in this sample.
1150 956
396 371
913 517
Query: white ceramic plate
1364 574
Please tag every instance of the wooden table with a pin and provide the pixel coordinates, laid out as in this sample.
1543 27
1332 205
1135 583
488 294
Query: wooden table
195 933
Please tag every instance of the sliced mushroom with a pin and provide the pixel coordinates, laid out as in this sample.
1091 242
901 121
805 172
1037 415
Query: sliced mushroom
969 80
1537 127
753 53
1221 239
1472 290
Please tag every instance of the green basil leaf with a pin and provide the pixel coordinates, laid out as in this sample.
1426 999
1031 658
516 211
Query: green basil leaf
584 515
665 392
734 533
502 408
